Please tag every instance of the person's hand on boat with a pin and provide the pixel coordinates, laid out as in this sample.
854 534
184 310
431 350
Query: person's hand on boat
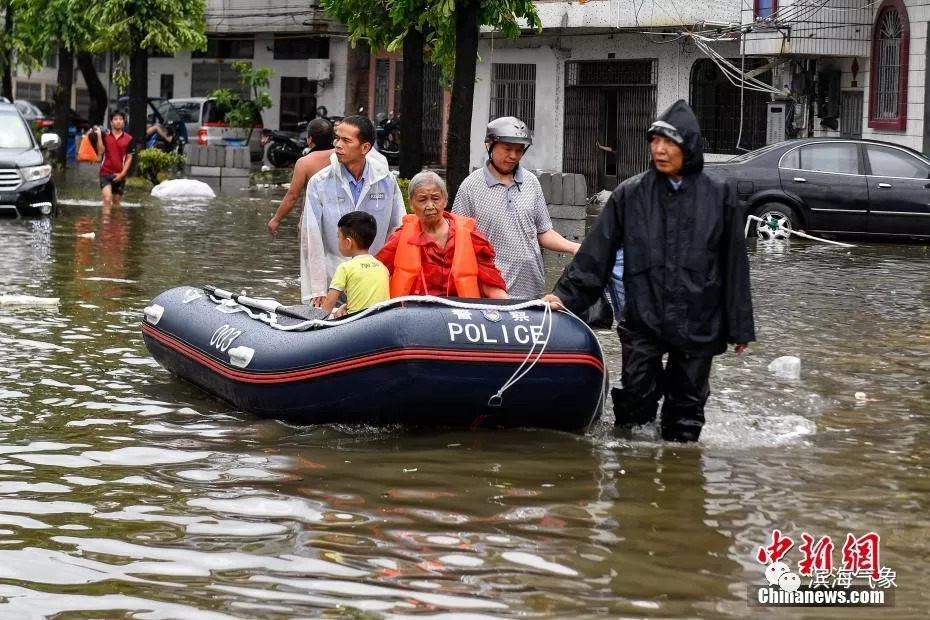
317 302
273 225
740 347
554 302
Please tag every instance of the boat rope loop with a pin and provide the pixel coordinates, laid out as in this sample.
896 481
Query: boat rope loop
519 373
780 227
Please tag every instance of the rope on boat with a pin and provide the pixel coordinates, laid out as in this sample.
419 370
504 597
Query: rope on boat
780 227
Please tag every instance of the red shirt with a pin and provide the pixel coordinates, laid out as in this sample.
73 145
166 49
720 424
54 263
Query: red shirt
115 152
436 262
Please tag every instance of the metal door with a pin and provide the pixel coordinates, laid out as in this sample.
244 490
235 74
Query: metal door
899 192
827 177
432 116
624 89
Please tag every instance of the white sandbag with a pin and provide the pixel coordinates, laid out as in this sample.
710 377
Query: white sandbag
27 300
183 188
786 367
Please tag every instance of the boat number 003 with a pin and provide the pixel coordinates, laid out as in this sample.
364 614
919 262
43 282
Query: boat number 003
223 337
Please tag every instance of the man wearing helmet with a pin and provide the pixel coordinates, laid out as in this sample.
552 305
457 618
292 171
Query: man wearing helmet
508 204
685 275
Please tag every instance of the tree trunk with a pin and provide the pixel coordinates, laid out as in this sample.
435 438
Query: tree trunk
62 99
463 93
138 95
411 117
7 60
95 88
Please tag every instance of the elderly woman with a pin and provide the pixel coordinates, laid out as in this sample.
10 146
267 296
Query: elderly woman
438 253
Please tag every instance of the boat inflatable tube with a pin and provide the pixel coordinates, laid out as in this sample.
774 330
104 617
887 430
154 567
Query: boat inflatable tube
418 361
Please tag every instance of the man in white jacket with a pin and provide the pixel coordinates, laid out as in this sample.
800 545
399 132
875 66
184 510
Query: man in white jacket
351 182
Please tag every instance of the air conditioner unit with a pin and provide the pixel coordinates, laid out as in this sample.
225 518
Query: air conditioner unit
319 69
775 122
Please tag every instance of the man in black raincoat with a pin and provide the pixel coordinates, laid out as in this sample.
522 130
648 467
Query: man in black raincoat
686 278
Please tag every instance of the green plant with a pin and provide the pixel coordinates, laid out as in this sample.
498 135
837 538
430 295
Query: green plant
240 111
156 165
404 184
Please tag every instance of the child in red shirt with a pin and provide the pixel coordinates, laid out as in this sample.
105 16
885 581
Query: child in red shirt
117 150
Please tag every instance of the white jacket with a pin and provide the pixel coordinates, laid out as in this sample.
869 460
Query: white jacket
329 197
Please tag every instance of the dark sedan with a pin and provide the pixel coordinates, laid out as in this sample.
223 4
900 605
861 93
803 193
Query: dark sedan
834 186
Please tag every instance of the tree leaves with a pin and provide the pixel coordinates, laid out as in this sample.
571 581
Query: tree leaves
384 23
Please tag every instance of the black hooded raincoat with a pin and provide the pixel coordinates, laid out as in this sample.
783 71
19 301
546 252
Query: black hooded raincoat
686 272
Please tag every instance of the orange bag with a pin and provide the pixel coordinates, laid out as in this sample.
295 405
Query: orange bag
86 151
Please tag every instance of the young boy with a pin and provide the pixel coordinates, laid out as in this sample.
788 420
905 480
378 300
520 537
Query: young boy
117 149
363 279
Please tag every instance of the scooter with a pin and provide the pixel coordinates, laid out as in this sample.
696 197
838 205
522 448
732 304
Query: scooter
283 149
388 133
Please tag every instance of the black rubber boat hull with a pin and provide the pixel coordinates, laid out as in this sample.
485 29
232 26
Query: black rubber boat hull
420 364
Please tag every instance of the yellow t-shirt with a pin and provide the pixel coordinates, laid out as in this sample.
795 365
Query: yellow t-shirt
364 280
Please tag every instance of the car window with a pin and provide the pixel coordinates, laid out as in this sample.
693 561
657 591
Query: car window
792 159
189 111
887 162
168 112
14 134
828 157
753 154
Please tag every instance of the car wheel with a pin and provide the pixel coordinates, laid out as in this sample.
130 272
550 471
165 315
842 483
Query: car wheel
777 221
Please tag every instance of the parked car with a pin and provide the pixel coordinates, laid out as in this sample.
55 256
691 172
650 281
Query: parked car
26 185
41 114
206 121
834 186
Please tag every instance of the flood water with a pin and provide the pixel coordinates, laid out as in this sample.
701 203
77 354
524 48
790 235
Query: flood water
127 493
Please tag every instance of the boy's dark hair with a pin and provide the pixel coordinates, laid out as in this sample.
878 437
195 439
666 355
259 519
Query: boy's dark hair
118 112
360 227
366 130
321 132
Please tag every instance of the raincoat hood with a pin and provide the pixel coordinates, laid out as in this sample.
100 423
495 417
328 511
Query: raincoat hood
679 123
377 166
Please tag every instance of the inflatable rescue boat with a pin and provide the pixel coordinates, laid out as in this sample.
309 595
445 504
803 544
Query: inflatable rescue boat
419 361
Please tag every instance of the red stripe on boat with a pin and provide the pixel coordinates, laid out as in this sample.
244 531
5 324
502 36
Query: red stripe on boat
363 361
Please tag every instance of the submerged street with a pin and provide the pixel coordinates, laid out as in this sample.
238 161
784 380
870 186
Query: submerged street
124 490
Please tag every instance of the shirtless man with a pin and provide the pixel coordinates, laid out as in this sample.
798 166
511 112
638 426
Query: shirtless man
320 140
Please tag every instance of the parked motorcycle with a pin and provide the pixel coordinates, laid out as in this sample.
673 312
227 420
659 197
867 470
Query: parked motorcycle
284 148
388 136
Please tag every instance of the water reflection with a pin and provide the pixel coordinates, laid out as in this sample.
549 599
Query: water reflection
124 491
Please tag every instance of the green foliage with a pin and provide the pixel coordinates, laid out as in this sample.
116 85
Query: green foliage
40 26
240 111
157 165
130 25
384 23
404 184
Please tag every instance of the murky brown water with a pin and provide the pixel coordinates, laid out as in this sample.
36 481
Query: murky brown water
126 493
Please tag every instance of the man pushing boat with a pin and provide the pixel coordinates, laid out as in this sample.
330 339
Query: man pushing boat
686 277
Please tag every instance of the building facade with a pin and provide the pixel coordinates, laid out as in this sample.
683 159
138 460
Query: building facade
306 51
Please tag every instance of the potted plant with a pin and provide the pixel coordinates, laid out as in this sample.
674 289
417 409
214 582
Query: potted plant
240 110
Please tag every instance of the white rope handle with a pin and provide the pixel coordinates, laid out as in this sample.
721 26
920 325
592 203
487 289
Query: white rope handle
782 227
497 399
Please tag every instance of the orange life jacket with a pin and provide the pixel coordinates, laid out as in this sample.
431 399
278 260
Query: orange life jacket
407 265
